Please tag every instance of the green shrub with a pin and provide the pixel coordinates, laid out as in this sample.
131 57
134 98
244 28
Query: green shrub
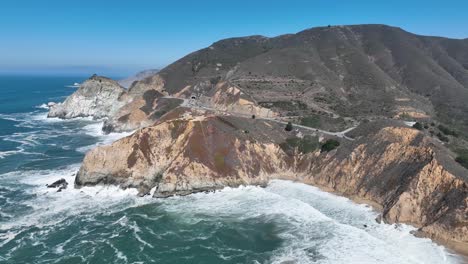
463 161
330 145
462 157
442 137
289 127
447 131
418 126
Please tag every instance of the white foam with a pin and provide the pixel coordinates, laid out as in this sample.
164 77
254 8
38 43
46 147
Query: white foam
301 213
36 119
308 219
4 154
51 207
43 106
95 130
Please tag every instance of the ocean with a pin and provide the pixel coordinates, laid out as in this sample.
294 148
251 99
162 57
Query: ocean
285 222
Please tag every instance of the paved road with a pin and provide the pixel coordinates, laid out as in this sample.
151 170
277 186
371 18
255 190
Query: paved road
192 103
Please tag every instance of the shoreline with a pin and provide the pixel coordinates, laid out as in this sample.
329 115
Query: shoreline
458 248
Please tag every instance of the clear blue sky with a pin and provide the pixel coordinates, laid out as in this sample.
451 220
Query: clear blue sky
119 37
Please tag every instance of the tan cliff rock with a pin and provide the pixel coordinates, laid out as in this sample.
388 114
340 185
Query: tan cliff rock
122 110
144 110
152 82
394 167
98 97
399 169
187 155
227 97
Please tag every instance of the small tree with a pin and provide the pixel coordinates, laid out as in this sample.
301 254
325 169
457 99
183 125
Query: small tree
289 127
253 116
329 145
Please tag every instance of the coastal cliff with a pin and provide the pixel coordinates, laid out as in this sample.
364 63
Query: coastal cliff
406 174
217 118
189 154
395 167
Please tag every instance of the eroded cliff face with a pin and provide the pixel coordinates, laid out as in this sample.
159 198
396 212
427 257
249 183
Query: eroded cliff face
189 154
396 167
399 169
142 111
98 97
227 97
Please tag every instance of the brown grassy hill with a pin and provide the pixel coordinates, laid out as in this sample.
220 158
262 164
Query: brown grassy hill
360 71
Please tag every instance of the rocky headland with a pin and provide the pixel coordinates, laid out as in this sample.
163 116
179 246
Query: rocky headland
218 116
97 97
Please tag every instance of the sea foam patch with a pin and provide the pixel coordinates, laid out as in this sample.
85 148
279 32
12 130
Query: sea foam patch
313 233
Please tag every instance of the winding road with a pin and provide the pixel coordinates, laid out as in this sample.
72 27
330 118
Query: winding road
192 103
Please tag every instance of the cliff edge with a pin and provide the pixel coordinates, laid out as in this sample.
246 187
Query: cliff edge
396 167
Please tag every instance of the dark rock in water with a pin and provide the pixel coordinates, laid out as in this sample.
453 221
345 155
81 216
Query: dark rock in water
63 187
142 193
62 184
379 219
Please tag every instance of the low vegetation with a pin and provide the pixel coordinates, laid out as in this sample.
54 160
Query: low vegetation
462 157
285 105
323 120
329 145
311 121
442 137
418 126
447 131
304 145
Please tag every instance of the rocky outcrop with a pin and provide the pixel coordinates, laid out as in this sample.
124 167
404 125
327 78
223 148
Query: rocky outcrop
98 97
229 98
187 155
123 110
396 167
153 82
405 173
141 112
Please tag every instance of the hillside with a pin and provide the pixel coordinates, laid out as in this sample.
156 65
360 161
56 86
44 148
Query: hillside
127 82
370 112
361 71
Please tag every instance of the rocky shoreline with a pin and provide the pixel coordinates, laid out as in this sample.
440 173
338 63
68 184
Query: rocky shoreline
216 118
397 168
392 166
